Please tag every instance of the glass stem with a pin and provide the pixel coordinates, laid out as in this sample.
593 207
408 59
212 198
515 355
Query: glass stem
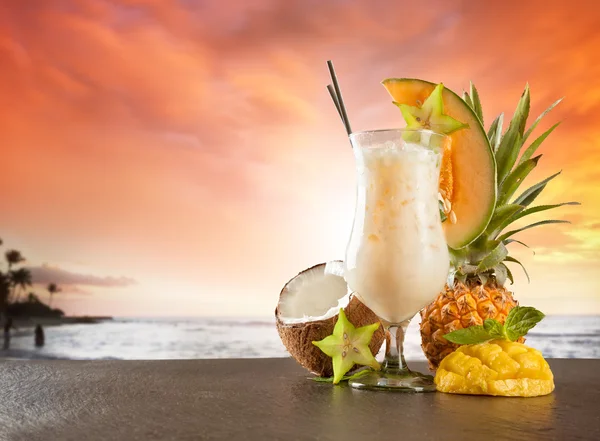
394 352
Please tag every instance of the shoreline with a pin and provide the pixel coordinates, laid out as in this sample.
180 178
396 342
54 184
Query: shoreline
227 338
24 326
26 322
25 354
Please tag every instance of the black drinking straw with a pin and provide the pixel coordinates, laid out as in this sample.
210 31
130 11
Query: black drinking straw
337 99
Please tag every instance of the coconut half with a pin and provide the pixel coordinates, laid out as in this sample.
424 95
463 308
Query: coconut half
307 311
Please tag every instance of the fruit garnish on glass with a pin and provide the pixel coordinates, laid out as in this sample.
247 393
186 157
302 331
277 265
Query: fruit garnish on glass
397 256
480 183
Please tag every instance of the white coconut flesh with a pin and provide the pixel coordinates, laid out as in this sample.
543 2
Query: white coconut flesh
315 294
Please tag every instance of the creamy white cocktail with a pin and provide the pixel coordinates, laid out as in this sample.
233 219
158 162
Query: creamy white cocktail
397 257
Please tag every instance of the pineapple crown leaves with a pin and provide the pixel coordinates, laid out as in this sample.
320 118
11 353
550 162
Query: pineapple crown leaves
487 255
519 321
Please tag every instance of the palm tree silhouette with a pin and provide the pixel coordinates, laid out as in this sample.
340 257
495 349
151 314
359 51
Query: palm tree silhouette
52 288
15 282
4 292
20 278
12 279
13 257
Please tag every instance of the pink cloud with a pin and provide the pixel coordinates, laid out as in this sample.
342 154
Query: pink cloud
195 142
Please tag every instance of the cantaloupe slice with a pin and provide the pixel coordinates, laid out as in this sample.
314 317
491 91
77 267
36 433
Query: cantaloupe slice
468 175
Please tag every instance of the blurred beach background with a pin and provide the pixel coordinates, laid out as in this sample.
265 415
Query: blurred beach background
134 338
169 163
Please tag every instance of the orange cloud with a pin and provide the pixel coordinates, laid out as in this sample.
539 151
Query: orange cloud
192 145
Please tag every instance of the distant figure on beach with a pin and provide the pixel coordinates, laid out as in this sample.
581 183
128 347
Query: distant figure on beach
39 336
7 326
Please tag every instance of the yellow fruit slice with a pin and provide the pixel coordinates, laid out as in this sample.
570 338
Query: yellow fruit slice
499 367
468 173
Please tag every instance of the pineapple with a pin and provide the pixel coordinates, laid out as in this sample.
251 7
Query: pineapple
498 367
466 303
476 287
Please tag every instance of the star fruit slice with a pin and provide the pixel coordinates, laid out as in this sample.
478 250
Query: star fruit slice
430 115
348 346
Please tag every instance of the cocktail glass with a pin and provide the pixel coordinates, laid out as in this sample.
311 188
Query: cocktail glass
397 258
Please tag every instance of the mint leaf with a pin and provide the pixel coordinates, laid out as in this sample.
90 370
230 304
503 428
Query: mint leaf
494 328
469 336
520 320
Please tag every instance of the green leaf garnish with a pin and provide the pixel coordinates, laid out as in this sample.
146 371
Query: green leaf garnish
469 336
494 328
519 321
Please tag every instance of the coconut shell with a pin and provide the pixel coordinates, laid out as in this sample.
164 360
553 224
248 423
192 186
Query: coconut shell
298 337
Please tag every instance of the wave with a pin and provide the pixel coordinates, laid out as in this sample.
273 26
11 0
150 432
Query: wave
565 335
229 337
242 322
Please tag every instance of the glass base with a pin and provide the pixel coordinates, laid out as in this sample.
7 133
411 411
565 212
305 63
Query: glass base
395 380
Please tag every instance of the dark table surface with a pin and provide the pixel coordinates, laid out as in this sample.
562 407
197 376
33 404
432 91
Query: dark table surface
272 399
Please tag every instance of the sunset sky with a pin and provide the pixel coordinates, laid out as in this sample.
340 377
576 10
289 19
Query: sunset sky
183 157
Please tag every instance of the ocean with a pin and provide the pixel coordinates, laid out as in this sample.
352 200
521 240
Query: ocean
131 339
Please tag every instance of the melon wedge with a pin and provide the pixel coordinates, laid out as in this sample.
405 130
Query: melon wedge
469 173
